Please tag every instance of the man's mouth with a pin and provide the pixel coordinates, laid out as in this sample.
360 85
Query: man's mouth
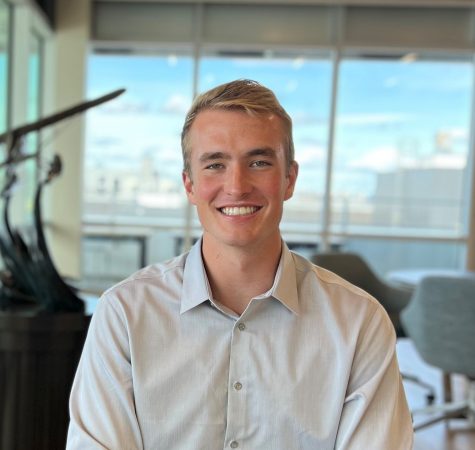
238 210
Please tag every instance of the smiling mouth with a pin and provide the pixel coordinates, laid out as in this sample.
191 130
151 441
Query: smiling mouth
239 210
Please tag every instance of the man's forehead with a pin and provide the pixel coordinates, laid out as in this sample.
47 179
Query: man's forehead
218 130
217 121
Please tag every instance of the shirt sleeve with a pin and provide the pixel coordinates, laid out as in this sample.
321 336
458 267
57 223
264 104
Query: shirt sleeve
102 410
375 412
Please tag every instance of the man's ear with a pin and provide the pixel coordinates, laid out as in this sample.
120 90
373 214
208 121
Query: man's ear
188 184
291 179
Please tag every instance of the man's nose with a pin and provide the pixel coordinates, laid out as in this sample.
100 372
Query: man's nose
237 181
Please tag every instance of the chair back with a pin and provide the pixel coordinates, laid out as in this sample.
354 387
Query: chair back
351 267
440 320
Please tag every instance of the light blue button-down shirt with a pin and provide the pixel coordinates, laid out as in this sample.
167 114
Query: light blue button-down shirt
310 364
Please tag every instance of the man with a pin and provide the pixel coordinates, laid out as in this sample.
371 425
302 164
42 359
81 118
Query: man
239 343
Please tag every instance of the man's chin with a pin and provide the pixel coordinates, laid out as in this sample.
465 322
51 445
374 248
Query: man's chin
242 241
231 239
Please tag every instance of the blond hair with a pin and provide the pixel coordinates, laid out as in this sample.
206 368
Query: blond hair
240 95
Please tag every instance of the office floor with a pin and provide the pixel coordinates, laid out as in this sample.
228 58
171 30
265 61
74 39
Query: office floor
439 436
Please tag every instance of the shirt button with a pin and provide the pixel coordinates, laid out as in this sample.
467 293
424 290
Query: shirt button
237 386
242 327
234 444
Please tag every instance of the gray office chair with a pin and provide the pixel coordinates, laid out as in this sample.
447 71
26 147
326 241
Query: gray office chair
353 268
440 320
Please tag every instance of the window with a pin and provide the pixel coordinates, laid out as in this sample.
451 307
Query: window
399 180
133 155
401 150
4 46
34 99
133 161
34 77
23 201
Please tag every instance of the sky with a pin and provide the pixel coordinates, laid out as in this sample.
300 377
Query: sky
389 114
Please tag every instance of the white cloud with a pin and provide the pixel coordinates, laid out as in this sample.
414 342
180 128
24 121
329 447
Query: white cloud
130 105
177 104
456 133
209 79
310 154
447 161
172 60
391 82
382 159
372 119
298 63
292 86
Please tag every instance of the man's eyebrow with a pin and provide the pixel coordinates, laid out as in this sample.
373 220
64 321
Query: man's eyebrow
265 151
211 156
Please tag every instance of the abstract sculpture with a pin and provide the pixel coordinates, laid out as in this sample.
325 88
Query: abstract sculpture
30 277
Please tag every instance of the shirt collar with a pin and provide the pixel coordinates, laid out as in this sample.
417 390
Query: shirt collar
196 289
284 288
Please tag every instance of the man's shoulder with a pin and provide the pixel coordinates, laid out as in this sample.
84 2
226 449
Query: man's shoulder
330 296
329 282
154 275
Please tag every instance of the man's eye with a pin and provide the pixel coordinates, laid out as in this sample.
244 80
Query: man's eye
260 163
215 166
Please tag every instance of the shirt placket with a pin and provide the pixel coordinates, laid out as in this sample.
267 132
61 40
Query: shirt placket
236 423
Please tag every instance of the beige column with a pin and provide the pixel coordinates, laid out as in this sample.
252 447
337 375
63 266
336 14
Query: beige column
67 56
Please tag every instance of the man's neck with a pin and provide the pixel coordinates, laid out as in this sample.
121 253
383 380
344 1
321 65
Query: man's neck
237 275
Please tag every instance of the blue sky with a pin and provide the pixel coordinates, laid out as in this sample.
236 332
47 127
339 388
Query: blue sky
389 112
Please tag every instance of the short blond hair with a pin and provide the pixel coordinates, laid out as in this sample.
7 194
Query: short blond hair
240 95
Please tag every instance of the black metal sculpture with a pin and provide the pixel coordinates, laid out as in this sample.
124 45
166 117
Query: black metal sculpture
30 277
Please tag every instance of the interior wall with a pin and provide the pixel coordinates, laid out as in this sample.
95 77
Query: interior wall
370 24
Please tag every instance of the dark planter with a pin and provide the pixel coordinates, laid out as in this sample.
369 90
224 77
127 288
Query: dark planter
38 359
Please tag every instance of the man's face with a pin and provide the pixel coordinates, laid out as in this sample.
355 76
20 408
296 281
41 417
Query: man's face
239 177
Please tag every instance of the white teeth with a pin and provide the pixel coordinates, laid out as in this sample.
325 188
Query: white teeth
239 210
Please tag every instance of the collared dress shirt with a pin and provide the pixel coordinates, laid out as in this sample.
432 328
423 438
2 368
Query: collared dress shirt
309 365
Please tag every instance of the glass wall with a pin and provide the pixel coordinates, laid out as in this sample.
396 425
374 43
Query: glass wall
401 151
133 162
4 79
386 255
23 200
399 157
402 145
133 159
34 77
4 46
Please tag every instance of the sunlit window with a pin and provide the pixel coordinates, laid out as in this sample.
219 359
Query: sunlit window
22 205
133 157
28 170
34 77
399 159
4 43
402 145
